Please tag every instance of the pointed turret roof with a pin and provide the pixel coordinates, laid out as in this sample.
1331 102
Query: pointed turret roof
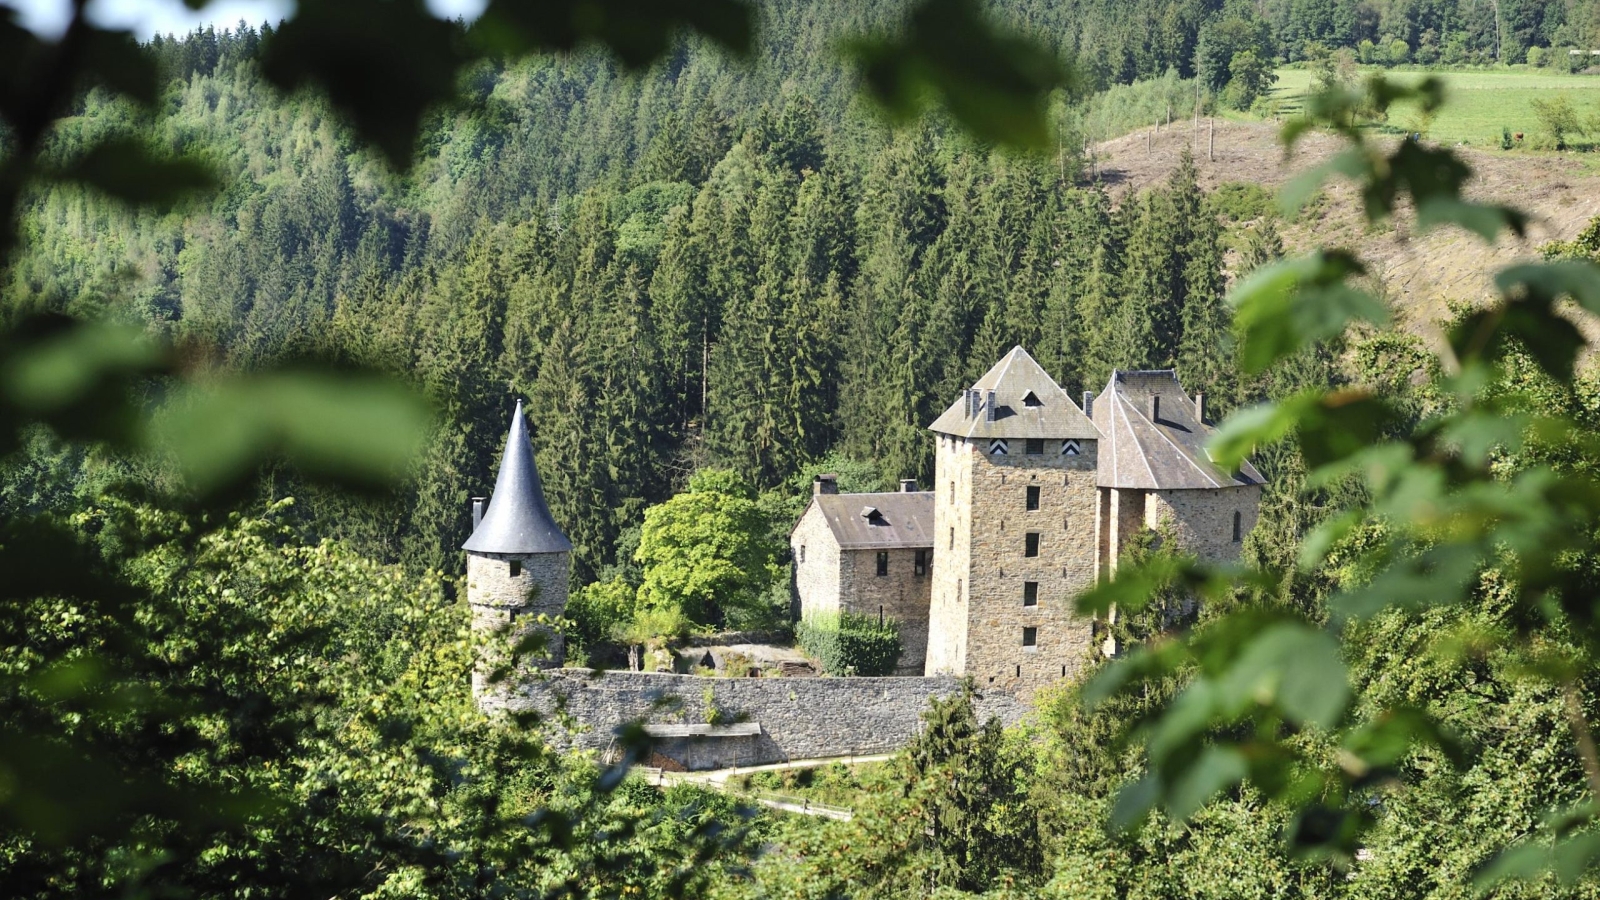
517 521
1027 404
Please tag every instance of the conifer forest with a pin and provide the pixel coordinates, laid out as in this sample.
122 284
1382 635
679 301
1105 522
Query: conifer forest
269 294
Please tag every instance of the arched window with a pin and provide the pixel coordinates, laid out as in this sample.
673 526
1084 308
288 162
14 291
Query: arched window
1238 522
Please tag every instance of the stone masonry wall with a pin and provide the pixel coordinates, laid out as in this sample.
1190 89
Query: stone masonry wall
499 599
1066 523
1203 519
902 595
816 576
952 544
800 718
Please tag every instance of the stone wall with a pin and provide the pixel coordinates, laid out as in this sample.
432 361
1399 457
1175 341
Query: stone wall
1202 520
799 718
1067 526
499 599
901 595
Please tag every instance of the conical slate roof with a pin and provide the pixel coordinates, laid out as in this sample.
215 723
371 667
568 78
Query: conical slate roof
517 520
1027 403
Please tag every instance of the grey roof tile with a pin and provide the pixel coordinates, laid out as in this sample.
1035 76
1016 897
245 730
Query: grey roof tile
1153 439
1049 414
904 519
517 520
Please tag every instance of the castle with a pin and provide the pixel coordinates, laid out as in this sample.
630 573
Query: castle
1034 500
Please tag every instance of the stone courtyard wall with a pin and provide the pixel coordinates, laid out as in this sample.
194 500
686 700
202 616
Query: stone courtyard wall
799 718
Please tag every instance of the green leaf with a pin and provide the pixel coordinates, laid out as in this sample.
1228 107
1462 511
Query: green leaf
1568 859
994 83
1261 425
1134 802
1295 668
1578 279
78 379
1215 770
1290 305
637 31
1483 219
384 77
1314 548
357 429
126 169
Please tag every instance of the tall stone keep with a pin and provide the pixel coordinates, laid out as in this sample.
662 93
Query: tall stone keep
1015 495
518 560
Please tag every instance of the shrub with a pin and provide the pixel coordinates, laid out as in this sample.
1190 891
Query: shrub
850 644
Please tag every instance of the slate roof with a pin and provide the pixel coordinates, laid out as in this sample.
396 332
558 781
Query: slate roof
903 520
1161 452
517 520
1050 414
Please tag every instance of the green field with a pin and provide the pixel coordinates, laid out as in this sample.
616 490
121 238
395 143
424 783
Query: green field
1478 103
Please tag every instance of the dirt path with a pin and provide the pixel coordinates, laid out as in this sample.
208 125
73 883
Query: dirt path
1421 273
717 780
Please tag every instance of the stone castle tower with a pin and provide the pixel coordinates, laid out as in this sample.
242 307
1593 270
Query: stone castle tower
518 561
1014 529
1036 498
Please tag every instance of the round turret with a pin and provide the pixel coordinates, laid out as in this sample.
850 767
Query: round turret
518 561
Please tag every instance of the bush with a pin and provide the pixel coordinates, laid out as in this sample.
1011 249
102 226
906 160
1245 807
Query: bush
850 644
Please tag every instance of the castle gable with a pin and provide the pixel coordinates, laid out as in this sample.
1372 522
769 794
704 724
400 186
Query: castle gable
1016 399
1155 437
886 521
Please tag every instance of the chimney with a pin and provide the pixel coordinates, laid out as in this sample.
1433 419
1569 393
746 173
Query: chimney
825 484
908 485
1088 403
477 511
1155 407
988 407
1200 407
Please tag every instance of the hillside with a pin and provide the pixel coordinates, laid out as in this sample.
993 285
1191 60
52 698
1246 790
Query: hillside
1421 273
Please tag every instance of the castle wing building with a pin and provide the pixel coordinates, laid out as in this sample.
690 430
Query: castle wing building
1155 472
868 554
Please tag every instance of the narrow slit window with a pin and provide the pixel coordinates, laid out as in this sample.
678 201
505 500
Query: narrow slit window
801 556
883 563
1238 523
516 564
920 567
1030 546
1030 637
1033 496
952 538
1030 593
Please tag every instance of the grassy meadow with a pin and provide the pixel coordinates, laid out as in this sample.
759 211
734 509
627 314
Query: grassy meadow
1478 105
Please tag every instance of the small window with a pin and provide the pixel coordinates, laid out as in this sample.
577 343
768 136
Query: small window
800 555
1030 593
516 564
1031 400
920 567
1030 637
1035 447
1030 545
1033 496
883 562
1238 526
952 492
952 539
